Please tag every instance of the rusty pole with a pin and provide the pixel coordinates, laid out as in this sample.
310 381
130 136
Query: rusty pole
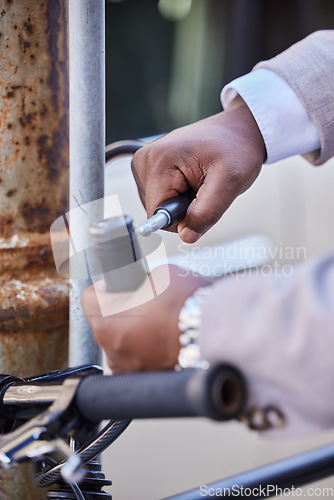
33 193
87 156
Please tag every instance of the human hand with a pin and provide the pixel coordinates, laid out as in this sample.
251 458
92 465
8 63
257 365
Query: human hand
218 157
145 337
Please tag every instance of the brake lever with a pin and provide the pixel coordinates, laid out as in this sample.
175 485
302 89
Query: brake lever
42 434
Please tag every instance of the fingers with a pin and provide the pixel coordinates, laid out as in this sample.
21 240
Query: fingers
141 338
90 303
158 178
140 186
218 157
166 181
213 198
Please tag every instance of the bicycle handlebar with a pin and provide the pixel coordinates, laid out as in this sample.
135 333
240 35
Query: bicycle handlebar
218 393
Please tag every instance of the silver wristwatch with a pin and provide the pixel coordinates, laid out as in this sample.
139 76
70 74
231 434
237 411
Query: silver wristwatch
261 419
189 323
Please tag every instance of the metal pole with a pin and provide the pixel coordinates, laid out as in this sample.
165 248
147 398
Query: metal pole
33 193
270 480
87 142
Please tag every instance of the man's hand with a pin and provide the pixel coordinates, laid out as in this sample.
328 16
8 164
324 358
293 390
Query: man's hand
219 158
145 337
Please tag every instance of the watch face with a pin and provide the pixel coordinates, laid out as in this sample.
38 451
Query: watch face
190 357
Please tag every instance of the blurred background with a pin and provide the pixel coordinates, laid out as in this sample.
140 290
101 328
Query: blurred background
167 61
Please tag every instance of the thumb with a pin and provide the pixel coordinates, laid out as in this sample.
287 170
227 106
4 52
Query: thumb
212 200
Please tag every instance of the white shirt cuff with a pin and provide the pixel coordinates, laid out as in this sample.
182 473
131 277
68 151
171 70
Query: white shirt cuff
283 121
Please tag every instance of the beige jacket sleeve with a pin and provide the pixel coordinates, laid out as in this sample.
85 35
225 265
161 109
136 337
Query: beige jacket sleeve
279 330
308 67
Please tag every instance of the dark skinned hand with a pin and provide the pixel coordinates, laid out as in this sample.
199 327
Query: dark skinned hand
218 157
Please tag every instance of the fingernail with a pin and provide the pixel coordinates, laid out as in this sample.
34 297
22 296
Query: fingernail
189 236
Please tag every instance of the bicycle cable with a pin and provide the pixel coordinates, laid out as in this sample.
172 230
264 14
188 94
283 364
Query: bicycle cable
76 490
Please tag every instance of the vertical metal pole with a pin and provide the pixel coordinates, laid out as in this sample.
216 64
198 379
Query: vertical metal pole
33 193
87 142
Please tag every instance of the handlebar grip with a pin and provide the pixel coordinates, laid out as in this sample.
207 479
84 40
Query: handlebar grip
218 393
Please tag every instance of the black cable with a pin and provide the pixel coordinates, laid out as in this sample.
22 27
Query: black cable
121 148
76 490
87 452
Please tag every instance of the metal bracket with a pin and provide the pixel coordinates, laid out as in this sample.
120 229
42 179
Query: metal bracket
45 432
41 435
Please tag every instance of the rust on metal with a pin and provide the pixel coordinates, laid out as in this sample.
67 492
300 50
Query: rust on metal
34 162
23 250
33 115
34 299
34 176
